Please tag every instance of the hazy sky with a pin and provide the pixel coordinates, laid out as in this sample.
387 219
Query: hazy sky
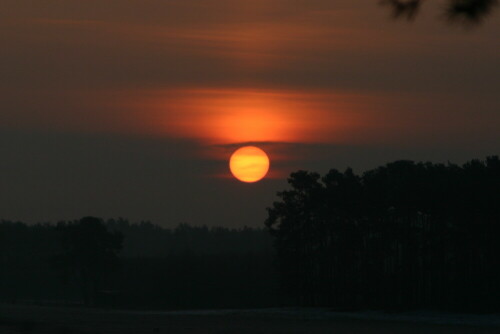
132 108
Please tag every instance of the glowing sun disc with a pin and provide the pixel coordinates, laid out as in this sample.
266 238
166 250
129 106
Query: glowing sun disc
249 164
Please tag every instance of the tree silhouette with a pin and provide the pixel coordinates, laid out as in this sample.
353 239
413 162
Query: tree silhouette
90 252
466 12
404 235
182 267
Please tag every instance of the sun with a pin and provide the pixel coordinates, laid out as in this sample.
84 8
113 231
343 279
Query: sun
249 164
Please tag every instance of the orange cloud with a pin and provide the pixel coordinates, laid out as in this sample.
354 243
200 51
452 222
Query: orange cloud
225 116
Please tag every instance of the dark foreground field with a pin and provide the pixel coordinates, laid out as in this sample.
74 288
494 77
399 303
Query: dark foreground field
59 320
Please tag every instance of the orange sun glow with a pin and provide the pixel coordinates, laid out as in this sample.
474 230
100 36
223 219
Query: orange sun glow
249 164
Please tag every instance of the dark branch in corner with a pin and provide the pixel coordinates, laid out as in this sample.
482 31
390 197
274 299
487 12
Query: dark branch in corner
469 11
406 9
465 12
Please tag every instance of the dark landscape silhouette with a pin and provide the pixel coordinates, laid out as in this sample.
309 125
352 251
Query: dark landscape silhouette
402 236
399 237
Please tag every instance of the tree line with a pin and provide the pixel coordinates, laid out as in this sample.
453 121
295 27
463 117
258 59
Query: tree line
402 236
115 263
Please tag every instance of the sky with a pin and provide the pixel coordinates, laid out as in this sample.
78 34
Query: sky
132 108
